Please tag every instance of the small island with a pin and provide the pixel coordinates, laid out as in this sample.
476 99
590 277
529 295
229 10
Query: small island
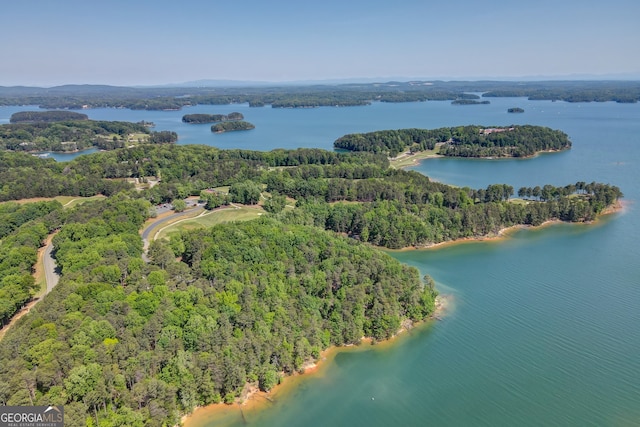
515 110
468 102
232 126
211 118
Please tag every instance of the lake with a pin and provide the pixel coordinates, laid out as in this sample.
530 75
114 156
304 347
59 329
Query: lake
542 326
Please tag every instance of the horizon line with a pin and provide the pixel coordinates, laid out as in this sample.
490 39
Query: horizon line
629 77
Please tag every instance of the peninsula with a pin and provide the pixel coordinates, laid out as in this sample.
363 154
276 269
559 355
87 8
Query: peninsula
45 132
247 302
461 141
46 116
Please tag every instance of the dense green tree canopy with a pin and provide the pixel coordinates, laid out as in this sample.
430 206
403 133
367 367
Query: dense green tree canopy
211 118
461 141
121 341
46 116
230 126
54 135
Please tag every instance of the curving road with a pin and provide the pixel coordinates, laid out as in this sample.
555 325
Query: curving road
156 225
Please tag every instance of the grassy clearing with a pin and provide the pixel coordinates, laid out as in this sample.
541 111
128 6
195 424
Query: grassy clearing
75 201
188 214
210 219
66 201
405 160
223 190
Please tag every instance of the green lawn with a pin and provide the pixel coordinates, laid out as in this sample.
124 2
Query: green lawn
66 201
69 202
210 219
410 160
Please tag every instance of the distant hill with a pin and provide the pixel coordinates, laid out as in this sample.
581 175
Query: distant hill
308 94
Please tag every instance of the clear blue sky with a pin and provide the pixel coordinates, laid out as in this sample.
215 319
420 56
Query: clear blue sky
140 42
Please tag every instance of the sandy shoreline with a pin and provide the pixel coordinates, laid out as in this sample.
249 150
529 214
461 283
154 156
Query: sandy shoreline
252 399
408 159
620 206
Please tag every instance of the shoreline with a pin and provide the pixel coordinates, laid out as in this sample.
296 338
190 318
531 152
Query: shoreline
252 399
619 206
415 159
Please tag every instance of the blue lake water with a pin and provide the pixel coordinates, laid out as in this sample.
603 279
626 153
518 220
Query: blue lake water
543 326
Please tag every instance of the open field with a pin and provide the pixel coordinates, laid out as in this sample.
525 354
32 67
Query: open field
405 159
66 201
74 201
210 219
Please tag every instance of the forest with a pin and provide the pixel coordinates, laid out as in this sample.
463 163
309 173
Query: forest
398 209
124 342
461 141
22 231
46 116
68 136
185 170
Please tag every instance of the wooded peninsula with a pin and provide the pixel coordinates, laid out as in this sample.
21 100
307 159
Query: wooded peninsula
46 116
121 341
461 141
51 131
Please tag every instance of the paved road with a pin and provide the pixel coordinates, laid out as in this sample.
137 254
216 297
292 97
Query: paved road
51 276
162 222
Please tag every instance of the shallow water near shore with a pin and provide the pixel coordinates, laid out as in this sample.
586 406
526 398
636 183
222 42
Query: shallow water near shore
544 330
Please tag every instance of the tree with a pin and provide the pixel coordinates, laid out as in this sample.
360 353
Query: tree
268 378
179 205
246 192
275 204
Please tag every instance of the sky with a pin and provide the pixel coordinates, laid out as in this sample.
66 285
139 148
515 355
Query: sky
141 42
